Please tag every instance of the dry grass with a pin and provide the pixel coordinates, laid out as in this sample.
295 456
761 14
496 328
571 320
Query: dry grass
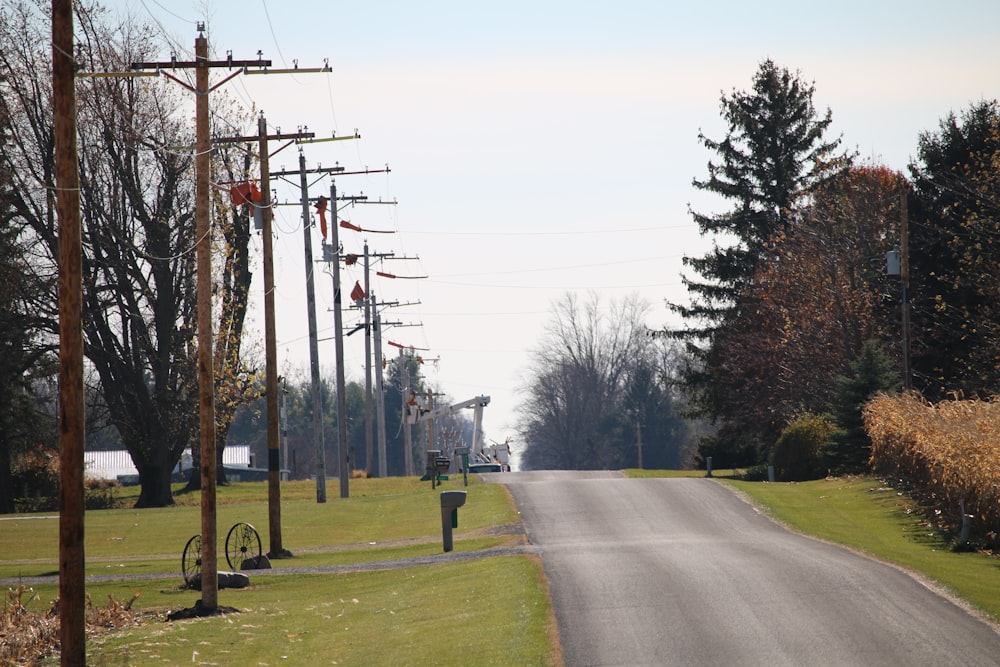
27 638
950 450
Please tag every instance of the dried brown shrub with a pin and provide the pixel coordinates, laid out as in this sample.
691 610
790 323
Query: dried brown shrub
27 638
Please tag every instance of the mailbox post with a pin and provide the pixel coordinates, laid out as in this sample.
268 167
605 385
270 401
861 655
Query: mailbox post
464 453
450 502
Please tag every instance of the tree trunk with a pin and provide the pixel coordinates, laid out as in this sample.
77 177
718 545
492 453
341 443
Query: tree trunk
155 486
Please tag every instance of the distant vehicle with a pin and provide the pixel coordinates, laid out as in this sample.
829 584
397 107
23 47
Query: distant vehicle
485 467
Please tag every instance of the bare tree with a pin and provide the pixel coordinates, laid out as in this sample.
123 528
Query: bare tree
574 416
139 241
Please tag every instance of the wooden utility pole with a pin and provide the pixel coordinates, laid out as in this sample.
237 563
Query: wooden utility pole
379 393
370 331
404 376
638 443
206 366
904 276
206 360
275 549
338 343
72 417
369 441
318 444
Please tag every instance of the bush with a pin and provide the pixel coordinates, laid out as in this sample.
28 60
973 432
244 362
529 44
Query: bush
101 494
796 454
757 473
728 449
35 477
36 480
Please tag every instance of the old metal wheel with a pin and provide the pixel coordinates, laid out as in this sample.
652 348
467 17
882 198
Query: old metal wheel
191 560
242 543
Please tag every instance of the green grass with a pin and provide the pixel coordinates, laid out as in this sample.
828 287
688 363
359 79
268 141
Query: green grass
476 613
379 511
484 611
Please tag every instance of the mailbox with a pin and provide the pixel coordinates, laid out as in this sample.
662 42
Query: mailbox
450 502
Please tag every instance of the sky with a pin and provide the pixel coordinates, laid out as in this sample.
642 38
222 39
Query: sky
547 148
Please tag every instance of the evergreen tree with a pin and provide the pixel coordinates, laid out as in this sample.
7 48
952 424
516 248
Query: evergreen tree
872 372
772 156
954 256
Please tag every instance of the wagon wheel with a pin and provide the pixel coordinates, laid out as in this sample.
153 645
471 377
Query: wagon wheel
242 543
191 560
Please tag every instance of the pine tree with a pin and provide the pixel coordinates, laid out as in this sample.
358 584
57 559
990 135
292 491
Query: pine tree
872 372
955 257
773 155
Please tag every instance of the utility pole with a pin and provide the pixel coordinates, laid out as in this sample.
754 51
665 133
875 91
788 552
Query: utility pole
369 444
206 367
638 443
404 376
72 416
318 445
338 331
379 392
275 550
369 316
284 424
338 343
904 275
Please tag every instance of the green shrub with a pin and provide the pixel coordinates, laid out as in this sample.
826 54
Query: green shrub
101 494
796 454
757 473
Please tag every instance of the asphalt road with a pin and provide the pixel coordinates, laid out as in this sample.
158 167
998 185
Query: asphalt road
685 572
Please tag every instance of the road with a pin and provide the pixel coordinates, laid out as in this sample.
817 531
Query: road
685 572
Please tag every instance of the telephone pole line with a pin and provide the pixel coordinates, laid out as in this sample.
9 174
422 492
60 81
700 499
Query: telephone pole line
319 446
206 366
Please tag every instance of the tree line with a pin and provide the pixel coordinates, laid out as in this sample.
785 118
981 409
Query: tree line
794 314
794 319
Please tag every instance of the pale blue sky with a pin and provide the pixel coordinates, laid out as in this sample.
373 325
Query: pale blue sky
550 146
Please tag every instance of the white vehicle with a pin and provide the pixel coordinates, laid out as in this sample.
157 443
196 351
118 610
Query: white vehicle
416 415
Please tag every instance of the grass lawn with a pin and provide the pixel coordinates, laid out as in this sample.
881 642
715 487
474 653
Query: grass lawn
377 517
487 611
481 612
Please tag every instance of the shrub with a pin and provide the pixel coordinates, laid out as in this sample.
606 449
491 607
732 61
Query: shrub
796 454
101 494
36 480
757 473
35 477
